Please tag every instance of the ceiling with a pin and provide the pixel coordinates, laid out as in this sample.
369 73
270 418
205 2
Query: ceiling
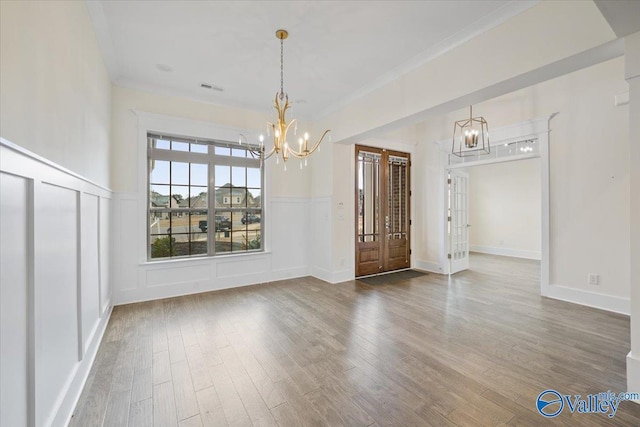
336 50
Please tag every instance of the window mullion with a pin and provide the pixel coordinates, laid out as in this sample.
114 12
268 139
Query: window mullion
211 198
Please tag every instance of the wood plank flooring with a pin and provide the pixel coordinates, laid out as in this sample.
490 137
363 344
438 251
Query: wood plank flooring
473 350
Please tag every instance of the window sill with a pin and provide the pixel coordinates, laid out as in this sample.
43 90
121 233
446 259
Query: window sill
198 260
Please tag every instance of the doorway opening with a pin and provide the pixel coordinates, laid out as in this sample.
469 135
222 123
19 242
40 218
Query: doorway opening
382 202
495 209
519 141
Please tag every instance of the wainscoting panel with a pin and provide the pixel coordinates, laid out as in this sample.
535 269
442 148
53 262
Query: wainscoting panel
171 275
55 292
290 226
90 262
320 248
15 404
286 226
105 238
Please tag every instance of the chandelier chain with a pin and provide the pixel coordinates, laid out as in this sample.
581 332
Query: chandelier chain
281 69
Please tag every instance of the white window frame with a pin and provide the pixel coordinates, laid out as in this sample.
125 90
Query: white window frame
169 125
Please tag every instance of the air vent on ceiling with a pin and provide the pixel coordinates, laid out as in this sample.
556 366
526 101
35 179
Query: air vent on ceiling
211 87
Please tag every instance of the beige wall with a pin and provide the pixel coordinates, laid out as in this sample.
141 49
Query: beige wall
55 93
292 183
504 208
589 172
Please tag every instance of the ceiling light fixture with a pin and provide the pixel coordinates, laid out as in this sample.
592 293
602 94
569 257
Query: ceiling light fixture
470 136
281 147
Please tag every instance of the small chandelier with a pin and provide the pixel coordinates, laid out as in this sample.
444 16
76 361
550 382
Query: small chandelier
470 136
281 147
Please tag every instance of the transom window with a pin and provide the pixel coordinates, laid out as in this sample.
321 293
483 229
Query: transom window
205 198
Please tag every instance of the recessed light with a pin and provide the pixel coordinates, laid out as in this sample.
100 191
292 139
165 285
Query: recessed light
211 87
164 67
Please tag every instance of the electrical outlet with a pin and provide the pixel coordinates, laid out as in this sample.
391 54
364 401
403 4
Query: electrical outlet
594 279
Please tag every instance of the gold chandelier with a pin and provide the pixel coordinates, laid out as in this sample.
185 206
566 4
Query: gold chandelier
470 136
281 147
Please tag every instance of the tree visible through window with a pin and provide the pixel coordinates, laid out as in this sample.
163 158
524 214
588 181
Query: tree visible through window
204 198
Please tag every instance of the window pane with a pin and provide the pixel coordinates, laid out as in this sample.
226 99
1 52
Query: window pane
238 197
238 152
253 238
223 221
254 200
159 172
199 148
223 197
222 151
180 244
179 146
179 173
198 198
223 175
179 196
161 246
199 174
159 196
238 178
179 223
162 144
198 244
158 222
223 232
253 177
198 222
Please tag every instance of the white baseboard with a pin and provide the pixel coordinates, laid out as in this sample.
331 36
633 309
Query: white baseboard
633 374
150 293
432 267
70 400
342 276
590 299
321 273
516 253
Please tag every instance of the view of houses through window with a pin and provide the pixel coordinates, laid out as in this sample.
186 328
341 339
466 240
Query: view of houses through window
205 198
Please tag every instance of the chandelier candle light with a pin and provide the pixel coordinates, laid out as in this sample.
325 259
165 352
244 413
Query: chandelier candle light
281 146
470 136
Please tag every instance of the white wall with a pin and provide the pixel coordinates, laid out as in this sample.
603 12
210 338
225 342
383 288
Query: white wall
287 203
632 75
54 88
55 294
504 208
589 177
292 183
55 286
547 32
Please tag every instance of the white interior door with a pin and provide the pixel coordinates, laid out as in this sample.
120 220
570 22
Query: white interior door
458 221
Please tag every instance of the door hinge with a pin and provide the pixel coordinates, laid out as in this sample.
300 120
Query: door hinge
409 251
409 222
449 181
409 193
449 218
449 256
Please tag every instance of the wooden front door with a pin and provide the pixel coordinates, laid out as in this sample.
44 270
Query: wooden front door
382 210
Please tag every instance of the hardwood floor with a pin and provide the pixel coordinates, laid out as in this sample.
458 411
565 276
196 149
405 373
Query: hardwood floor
473 350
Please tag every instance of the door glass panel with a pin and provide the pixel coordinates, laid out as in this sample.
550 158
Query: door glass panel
397 206
368 196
